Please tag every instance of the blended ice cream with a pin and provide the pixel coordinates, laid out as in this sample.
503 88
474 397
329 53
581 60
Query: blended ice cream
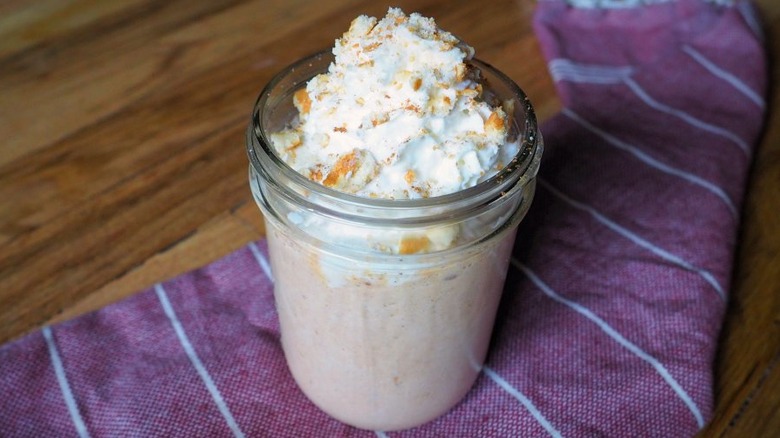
386 321
390 346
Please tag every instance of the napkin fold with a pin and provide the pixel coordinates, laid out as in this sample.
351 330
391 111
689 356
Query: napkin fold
613 304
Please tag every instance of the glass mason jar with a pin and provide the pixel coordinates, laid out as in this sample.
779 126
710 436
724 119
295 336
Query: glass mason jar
377 331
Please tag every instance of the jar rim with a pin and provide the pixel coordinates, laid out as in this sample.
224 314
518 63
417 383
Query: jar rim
523 165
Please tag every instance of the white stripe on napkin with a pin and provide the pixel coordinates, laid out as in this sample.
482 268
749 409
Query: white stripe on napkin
666 255
682 115
652 162
525 401
62 380
567 70
620 339
196 363
725 75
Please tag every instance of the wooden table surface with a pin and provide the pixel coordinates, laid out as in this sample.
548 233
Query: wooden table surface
122 158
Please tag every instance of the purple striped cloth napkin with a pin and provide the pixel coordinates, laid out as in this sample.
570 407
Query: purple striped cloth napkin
611 311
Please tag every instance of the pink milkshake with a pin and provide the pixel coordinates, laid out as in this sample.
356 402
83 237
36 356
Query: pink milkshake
392 176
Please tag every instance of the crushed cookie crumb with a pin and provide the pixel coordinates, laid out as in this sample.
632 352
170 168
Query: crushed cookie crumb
494 122
302 101
346 164
414 245
371 47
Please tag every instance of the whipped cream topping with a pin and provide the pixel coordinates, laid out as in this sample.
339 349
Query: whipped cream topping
398 115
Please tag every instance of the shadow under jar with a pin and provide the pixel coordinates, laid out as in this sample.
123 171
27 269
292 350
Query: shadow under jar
381 340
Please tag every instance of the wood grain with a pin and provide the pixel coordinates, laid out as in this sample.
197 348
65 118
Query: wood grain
122 162
747 384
